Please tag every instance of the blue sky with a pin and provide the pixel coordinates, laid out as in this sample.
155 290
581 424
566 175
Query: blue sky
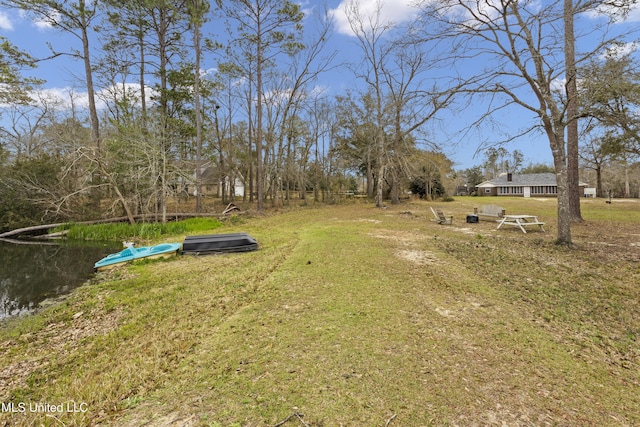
64 75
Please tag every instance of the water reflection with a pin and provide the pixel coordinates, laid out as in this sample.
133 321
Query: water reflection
31 272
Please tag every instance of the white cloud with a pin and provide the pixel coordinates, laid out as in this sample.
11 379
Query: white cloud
391 12
5 22
64 98
620 50
476 13
615 12
46 22
42 24
634 14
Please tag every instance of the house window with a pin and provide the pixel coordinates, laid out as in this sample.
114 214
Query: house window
487 190
511 190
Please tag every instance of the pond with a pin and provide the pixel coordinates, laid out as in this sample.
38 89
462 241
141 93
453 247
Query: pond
31 272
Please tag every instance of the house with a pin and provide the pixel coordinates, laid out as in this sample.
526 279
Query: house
525 185
212 182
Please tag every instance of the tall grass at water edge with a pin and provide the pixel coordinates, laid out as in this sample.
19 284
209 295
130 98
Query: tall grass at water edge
138 231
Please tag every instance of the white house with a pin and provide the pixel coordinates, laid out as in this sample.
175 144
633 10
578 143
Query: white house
525 185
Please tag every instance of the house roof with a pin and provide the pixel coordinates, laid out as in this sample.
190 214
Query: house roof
524 180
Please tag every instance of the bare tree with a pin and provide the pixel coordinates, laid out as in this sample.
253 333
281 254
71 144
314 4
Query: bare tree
321 117
198 10
518 42
22 134
528 48
411 105
571 9
75 18
370 33
394 71
291 88
270 27
355 128
594 156
611 96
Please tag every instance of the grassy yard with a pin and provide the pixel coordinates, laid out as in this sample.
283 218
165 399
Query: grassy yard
350 315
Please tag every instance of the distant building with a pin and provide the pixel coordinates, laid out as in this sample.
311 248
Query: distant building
462 190
525 185
211 182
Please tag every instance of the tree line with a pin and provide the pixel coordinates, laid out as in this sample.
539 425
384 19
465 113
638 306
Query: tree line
157 125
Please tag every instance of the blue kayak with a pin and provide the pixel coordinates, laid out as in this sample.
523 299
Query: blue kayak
162 250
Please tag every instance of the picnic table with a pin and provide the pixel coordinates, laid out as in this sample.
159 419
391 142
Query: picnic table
521 221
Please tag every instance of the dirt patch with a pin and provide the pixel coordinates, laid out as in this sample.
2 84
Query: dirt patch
61 337
611 243
464 230
418 257
404 237
174 419
409 243
83 325
444 312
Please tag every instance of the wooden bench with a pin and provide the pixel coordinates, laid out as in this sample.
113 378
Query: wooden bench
492 211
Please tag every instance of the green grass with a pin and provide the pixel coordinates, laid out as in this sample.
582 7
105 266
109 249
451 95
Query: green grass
351 315
139 231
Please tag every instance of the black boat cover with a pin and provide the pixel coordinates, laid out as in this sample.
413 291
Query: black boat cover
217 243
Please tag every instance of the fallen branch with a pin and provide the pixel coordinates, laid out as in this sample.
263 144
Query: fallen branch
296 415
230 208
389 420
43 229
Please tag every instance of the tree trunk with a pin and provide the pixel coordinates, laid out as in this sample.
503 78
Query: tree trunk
564 208
599 192
93 112
369 177
259 166
198 114
395 188
143 93
250 144
627 189
379 186
572 113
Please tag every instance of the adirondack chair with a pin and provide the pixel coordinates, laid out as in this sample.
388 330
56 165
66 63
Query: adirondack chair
440 217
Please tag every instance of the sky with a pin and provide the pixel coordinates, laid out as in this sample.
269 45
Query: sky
64 75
